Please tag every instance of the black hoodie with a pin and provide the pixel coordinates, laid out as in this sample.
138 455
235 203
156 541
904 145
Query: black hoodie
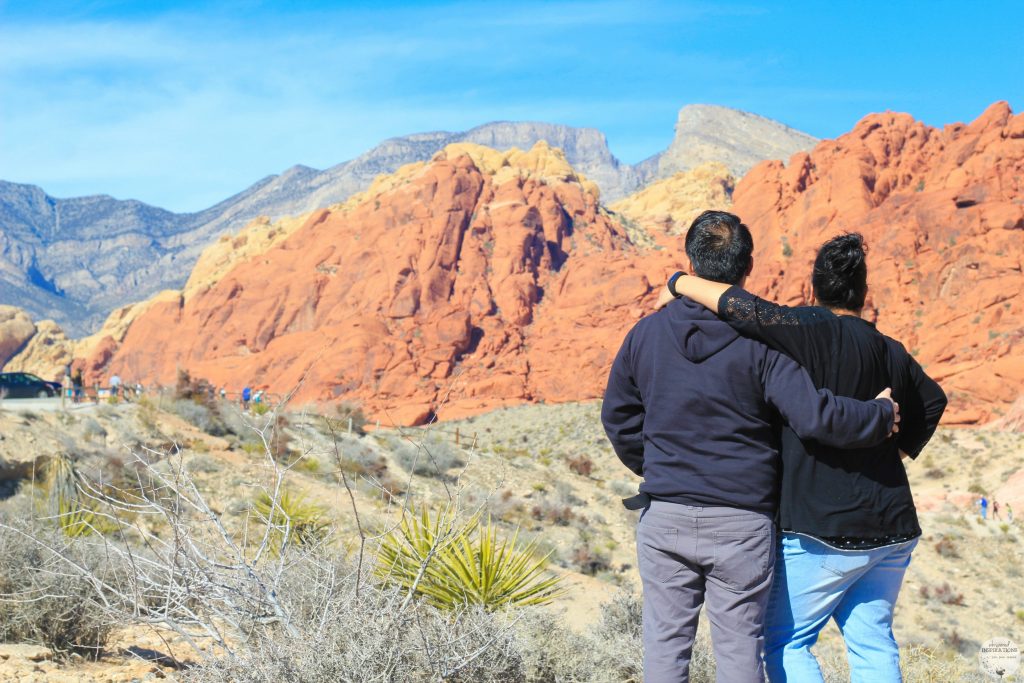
694 408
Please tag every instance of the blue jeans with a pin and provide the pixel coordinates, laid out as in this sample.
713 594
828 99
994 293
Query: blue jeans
815 583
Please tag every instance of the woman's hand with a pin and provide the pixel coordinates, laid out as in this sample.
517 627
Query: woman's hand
886 395
663 298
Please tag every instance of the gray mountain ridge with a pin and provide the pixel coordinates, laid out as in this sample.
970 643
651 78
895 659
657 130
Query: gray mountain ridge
74 260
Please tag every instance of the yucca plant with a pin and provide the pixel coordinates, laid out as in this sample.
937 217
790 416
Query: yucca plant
293 521
61 482
451 564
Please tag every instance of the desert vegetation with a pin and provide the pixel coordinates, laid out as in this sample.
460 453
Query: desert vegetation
289 546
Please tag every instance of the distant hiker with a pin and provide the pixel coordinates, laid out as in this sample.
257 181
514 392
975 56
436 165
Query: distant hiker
1009 514
258 398
246 396
693 407
223 393
115 385
847 518
995 510
76 384
983 504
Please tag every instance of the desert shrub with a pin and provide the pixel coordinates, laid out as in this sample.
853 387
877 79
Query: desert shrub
348 410
552 652
557 506
623 487
62 503
432 456
292 521
919 663
41 601
589 559
91 429
944 593
452 564
203 464
946 547
198 415
250 433
581 465
355 456
367 637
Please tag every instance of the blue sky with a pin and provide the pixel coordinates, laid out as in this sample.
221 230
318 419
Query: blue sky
181 104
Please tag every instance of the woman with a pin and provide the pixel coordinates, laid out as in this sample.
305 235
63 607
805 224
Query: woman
847 517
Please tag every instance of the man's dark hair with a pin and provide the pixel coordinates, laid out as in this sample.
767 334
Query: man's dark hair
840 277
719 247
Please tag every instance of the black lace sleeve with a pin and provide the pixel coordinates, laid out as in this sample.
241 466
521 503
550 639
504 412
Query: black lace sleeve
789 329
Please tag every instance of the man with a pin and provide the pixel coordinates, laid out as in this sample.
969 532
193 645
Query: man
693 407
847 517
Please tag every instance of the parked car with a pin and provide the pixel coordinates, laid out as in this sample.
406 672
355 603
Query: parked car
26 385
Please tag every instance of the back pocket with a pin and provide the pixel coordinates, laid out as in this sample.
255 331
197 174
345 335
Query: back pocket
656 551
743 559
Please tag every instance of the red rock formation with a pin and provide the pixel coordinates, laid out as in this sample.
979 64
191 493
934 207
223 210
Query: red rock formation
458 290
486 279
943 215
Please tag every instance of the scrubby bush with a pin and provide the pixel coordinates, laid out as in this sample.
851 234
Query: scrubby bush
623 487
348 410
431 456
41 600
368 637
581 465
198 415
943 593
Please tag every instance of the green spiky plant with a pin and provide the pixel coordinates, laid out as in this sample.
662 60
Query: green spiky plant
451 564
293 521
61 483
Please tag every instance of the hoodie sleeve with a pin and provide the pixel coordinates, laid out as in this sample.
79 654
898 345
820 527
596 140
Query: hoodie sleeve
622 412
818 414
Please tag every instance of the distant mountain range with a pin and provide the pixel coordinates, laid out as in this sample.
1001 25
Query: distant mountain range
75 260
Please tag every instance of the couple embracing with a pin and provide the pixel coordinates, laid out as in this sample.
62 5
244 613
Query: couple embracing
771 442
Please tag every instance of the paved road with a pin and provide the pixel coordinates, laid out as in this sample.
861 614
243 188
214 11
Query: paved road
43 405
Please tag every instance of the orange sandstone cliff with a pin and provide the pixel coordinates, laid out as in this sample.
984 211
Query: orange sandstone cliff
478 280
483 279
943 215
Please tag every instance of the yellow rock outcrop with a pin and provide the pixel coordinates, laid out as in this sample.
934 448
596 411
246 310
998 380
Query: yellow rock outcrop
670 205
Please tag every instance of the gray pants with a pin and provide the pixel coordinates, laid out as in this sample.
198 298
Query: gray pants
692 555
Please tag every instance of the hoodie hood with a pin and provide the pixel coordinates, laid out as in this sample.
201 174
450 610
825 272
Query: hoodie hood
698 333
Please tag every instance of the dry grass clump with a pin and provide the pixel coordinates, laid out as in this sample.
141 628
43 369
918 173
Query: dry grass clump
430 457
41 602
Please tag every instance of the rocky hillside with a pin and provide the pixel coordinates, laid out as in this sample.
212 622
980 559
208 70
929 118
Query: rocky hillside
75 260
738 139
942 213
445 288
667 207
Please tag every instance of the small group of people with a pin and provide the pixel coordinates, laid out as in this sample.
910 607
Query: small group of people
74 386
996 513
248 396
772 443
